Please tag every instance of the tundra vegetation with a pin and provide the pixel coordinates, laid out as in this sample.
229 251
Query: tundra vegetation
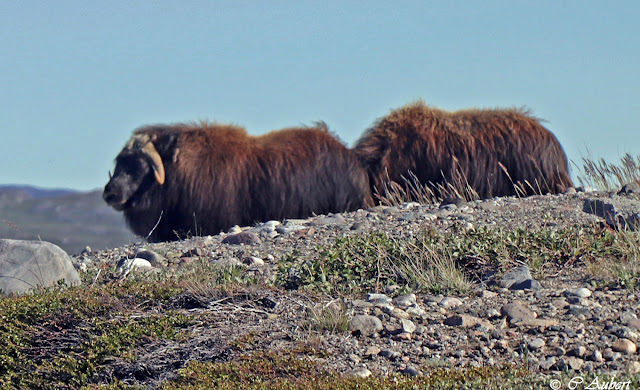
67 337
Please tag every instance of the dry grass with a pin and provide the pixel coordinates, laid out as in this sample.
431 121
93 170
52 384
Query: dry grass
621 266
425 267
412 190
604 176
329 317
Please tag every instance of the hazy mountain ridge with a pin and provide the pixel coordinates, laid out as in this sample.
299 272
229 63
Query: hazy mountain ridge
70 219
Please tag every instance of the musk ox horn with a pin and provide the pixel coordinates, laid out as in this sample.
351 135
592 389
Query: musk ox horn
158 168
143 143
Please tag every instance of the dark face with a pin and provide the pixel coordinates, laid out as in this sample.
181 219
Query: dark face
131 173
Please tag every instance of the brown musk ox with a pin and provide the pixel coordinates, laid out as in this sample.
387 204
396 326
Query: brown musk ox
492 150
173 181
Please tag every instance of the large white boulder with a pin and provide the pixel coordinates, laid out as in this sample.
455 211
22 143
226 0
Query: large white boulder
24 265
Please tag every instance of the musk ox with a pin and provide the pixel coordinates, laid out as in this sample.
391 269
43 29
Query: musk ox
173 181
493 150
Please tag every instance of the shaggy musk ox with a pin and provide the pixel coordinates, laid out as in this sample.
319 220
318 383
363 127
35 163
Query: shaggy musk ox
480 144
195 179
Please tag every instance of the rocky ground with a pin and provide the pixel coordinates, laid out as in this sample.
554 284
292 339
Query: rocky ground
555 320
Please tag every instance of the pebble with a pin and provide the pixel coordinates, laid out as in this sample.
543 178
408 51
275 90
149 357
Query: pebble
389 354
328 220
578 292
579 351
405 301
596 356
624 346
127 265
378 299
411 371
515 276
449 302
365 325
245 237
408 326
536 344
516 312
155 259
465 321
255 261
235 230
360 372
372 351
548 363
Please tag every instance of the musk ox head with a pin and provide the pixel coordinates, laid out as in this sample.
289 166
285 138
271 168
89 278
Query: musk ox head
138 166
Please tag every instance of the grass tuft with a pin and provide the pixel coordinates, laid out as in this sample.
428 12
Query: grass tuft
603 176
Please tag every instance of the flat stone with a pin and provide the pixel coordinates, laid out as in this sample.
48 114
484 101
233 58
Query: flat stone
466 321
247 238
536 344
411 371
360 372
529 284
449 302
516 312
365 325
548 363
372 350
328 220
515 276
617 211
404 301
378 299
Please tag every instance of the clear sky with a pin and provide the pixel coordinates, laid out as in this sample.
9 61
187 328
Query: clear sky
76 77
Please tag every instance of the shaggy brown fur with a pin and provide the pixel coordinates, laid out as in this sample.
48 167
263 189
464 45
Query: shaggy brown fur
218 176
433 144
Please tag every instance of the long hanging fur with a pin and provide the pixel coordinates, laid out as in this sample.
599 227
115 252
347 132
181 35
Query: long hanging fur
218 176
495 150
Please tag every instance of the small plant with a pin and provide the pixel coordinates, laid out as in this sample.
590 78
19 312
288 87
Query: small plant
619 263
424 267
330 317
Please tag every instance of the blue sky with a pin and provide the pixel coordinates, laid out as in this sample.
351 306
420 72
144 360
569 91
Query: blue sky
76 77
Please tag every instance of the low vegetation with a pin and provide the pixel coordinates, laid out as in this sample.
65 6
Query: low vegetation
69 338
452 262
66 337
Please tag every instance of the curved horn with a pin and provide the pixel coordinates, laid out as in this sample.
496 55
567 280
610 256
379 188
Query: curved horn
158 168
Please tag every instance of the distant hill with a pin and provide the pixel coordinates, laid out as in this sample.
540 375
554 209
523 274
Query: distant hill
67 218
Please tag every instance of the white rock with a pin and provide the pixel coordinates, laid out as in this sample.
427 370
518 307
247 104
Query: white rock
450 302
27 264
578 292
235 230
255 261
360 372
